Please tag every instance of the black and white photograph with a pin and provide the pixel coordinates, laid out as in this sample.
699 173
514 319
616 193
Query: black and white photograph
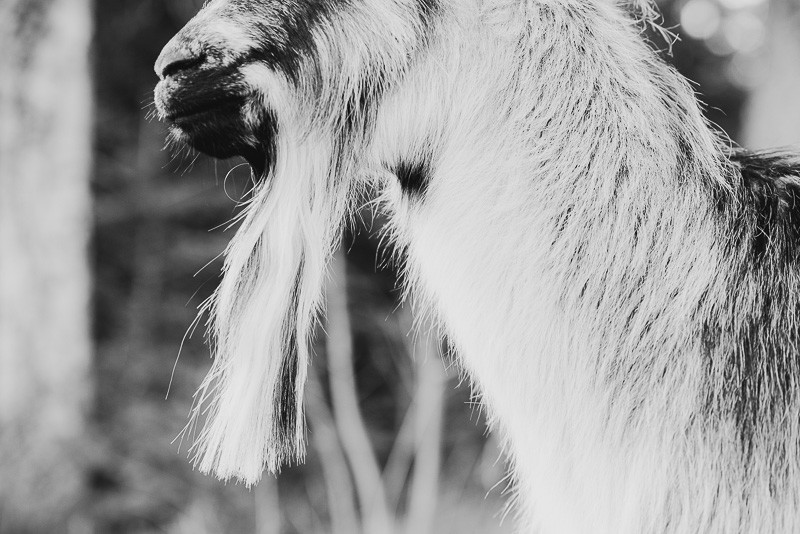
399 266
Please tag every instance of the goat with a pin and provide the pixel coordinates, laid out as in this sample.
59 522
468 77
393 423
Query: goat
620 284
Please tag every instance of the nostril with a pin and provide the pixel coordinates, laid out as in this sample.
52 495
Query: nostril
176 60
183 64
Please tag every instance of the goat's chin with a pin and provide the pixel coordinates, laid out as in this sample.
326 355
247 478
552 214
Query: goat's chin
226 134
220 123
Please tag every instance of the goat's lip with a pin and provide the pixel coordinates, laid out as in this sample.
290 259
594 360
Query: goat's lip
193 111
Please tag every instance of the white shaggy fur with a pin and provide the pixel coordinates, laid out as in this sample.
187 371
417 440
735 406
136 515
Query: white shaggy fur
569 242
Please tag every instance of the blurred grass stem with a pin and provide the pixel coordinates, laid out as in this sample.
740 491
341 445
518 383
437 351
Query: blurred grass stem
352 430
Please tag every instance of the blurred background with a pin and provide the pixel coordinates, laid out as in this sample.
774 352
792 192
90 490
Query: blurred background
108 244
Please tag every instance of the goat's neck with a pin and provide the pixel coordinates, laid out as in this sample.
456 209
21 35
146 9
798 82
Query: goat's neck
564 160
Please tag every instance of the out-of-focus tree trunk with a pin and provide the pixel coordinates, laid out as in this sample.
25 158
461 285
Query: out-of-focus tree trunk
45 349
772 116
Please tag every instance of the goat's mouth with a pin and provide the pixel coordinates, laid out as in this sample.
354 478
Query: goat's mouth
220 119
179 113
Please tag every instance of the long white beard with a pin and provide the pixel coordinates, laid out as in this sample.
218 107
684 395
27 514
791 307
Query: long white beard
262 315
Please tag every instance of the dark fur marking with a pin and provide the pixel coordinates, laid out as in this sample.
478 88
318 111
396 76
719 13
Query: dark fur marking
428 12
287 387
414 176
359 110
261 156
287 399
772 202
753 351
299 19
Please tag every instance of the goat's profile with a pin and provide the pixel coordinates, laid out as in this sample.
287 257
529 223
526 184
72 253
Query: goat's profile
621 285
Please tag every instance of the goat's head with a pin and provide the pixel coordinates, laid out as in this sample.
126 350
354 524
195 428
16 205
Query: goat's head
210 90
236 71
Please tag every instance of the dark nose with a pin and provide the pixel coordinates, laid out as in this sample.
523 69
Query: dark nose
177 57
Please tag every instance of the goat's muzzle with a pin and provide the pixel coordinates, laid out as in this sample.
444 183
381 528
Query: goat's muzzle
209 107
